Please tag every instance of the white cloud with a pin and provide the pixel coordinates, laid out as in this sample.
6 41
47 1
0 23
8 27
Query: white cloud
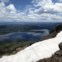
11 8
57 7
43 10
48 5
50 9
60 0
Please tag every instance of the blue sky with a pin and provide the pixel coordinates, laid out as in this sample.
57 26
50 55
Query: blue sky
31 10
21 4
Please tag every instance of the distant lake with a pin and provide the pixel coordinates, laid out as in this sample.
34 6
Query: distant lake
32 36
25 31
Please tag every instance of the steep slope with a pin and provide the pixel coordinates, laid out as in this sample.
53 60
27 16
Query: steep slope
37 51
54 32
57 57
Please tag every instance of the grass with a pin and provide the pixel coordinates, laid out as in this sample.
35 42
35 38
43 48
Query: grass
8 48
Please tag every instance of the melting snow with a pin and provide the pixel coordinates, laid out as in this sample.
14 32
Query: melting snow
37 51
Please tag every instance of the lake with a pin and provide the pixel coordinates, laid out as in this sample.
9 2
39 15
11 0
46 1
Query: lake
25 31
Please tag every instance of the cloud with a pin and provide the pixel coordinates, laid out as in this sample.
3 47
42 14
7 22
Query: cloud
60 0
48 5
11 8
39 11
48 9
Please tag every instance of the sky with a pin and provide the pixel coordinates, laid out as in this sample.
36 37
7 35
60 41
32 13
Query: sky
30 10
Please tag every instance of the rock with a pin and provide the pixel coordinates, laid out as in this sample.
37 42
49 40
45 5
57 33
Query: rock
51 35
60 46
59 53
58 28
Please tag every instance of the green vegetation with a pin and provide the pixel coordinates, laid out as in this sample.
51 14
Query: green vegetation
8 48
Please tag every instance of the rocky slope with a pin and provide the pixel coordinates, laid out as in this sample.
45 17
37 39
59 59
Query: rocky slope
53 33
57 57
37 51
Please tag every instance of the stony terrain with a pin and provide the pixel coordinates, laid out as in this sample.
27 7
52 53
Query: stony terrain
57 57
53 33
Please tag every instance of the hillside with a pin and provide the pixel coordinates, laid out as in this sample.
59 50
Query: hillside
37 51
53 33
57 57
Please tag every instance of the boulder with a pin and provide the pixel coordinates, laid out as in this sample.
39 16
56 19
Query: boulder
60 46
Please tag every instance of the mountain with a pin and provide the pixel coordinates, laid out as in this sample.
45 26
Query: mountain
56 57
53 33
39 50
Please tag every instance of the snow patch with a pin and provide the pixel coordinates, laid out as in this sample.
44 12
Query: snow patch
37 51
59 34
